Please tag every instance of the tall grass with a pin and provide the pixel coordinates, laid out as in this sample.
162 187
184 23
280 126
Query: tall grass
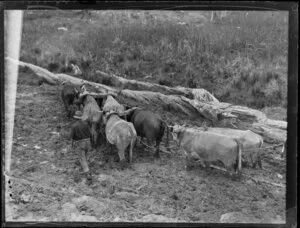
241 59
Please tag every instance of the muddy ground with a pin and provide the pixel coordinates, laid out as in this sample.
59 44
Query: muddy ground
46 184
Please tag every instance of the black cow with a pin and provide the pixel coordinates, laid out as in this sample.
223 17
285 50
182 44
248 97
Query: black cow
149 125
69 93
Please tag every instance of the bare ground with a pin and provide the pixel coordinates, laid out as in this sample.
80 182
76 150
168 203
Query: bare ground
46 185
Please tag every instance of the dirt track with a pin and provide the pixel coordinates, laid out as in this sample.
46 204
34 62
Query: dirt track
48 186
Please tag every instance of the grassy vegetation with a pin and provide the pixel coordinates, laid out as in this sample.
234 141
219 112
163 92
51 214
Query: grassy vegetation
241 59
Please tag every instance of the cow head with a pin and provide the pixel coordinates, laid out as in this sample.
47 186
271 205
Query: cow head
129 113
175 130
81 97
72 109
103 117
78 90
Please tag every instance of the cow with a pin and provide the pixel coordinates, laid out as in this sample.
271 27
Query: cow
208 147
149 125
69 93
80 136
251 142
111 105
90 113
120 133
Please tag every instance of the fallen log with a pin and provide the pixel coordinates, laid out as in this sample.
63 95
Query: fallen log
197 94
218 113
56 79
270 134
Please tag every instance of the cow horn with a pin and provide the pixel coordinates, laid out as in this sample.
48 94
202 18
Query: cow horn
77 117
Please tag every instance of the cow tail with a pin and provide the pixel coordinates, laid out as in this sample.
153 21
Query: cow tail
239 157
261 143
132 142
258 157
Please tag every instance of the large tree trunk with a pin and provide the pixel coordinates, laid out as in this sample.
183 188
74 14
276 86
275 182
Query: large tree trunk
218 113
197 94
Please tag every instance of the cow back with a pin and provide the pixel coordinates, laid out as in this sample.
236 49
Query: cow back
147 124
68 92
111 105
248 138
117 128
91 110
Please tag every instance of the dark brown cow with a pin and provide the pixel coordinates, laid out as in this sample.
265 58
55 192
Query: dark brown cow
149 125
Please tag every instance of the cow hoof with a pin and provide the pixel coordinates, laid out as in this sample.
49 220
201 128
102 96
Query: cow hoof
260 165
156 155
102 163
245 164
236 176
77 163
188 167
122 164
88 175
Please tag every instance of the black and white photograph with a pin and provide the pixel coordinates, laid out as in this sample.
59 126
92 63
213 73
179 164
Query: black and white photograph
146 116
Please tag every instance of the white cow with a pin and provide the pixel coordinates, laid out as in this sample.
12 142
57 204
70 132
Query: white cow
208 147
250 141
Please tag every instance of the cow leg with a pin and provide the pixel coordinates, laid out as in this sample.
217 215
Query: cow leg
253 162
258 160
188 165
244 162
67 109
132 143
156 154
141 140
121 152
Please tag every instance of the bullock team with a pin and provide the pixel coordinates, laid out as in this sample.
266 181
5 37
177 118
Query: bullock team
102 114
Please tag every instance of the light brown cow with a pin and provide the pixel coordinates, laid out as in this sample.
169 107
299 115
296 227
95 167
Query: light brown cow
208 147
120 133
91 113
251 142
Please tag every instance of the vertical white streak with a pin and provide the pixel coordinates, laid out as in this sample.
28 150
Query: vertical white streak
12 41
